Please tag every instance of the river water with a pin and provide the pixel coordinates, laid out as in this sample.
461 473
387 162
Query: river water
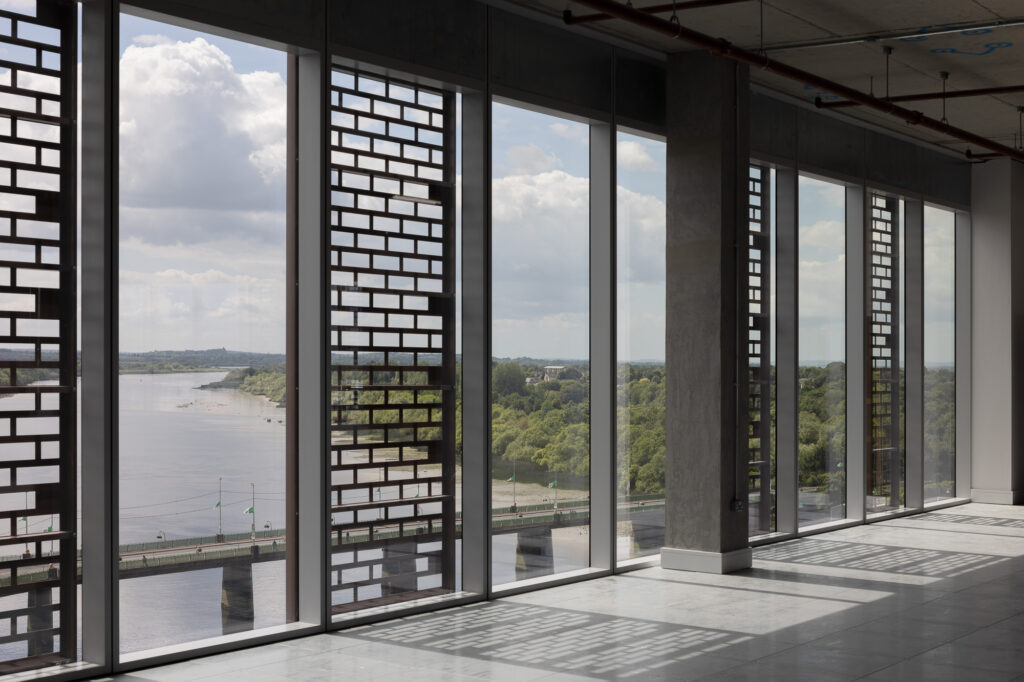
175 442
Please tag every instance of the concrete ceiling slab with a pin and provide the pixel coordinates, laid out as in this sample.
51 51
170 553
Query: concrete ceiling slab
974 58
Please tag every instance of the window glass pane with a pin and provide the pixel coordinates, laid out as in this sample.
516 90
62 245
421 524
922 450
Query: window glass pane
640 406
939 354
821 291
202 436
540 345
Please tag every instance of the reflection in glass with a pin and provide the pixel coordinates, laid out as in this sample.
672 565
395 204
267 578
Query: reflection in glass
540 420
640 449
939 354
202 300
821 289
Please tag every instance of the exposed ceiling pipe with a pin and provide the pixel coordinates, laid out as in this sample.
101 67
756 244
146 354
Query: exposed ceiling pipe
949 94
723 48
568 17
900 34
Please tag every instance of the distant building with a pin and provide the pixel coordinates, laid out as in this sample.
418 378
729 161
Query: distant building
551 372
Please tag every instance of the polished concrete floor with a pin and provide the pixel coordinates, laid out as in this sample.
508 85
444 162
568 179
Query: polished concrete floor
931 597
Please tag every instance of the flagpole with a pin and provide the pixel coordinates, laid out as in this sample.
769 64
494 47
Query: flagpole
514 504
253 512
220 509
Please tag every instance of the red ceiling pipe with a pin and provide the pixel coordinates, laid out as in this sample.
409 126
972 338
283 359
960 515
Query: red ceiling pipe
949 94
568 17
723 48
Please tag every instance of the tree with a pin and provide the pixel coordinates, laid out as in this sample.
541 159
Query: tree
508 378
570 373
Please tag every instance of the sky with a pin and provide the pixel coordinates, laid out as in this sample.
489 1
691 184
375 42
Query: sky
203 235
540 223
822 273
202 191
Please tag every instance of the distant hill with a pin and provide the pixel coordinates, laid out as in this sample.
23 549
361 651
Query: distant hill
167 361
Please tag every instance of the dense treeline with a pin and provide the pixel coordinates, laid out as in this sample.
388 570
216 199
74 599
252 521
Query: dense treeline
821 431
540 428
541 422
268 381
543 427
640 407
168 361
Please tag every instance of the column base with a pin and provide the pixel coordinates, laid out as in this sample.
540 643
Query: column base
706 562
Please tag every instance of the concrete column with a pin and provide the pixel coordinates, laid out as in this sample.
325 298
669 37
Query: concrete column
708 159
997 339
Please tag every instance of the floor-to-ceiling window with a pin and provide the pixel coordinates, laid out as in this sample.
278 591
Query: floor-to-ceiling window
939 353
640 379
821 405
202 337
540 379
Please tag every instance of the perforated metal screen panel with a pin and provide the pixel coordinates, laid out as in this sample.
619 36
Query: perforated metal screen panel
38 565
885 447
758 351
392 341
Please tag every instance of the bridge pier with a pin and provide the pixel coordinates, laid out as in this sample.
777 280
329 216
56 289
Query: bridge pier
535 554
398 568
40 620
236 598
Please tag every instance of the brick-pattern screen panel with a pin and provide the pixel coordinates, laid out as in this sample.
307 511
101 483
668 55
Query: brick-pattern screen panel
758 350
38 565
886 452
392 341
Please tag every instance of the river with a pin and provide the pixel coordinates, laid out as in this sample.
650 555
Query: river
175 442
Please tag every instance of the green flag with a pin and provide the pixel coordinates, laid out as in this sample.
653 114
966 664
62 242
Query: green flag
250 510
216 505
24 518
510 479
553 484
49 529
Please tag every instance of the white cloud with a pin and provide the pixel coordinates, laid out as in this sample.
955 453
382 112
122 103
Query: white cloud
530 159
541 265
571 131
828 234
641 243
829 193
196 133
632 155
822 289
177 309
202 194
147 39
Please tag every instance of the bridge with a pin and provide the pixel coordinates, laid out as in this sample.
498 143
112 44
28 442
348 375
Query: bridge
236 553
